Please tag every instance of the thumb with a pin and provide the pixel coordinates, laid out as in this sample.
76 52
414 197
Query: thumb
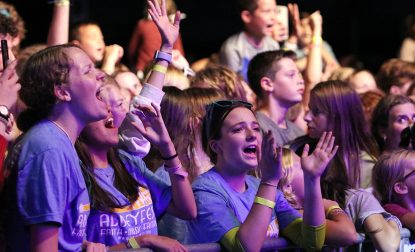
177 18
305 151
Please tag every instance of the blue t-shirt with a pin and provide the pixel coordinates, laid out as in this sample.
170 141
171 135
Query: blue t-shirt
131 220
50 188
220 208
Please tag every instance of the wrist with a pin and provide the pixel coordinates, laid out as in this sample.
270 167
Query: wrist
166 48
167 149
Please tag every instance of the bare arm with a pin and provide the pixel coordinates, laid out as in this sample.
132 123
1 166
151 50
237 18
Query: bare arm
59 26
408 221
44 237
340 230
385 235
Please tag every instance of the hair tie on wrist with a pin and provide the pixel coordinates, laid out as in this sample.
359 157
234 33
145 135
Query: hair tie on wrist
169 158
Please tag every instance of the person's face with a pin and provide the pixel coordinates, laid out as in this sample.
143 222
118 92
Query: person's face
263 17
288 83
306 31
130 82
104 133
409 177
85 87
92 42
400 117
362 82
240 142
317 121
9 40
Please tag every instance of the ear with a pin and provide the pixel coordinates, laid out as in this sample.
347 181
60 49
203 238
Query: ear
62 93
266 84
400 188
246 16
195 122
395 90
214 146
76 42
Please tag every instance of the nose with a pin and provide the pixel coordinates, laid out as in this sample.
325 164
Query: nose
307 116
100 76
251 134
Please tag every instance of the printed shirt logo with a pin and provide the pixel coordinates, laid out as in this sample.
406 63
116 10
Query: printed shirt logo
123 223
273 228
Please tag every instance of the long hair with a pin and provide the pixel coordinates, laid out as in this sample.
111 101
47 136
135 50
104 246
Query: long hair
346 119
123 182
180 111
43 70
388 170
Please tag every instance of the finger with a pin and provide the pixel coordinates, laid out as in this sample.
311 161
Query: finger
331 144
156 109
139 127
326 141
177 19
333 152
154 17
10 70
320 141
305 151
157 7
147 109
163 8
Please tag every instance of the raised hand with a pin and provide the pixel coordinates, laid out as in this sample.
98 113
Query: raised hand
315 163
168 32
153 128
294 15
270 164
9 85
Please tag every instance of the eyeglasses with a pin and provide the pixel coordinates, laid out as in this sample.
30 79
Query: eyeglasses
408 175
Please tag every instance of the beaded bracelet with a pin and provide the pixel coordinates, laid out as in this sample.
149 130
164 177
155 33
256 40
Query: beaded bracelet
264 202
333 209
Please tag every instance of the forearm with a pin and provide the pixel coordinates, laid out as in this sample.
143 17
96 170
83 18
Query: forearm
43 238
257 221
59 26
156 78
183 202
385 235
313 202
340 232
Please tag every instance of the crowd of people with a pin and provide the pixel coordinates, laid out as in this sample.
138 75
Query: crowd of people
271 137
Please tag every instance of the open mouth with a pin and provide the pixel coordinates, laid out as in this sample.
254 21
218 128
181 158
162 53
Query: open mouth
109 123
251 149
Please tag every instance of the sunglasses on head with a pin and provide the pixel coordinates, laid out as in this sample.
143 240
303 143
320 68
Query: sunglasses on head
232 103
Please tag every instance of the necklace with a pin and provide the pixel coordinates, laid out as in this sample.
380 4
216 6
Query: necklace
61 128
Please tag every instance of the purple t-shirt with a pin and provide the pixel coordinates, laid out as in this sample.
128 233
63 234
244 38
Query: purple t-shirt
50 188
131 220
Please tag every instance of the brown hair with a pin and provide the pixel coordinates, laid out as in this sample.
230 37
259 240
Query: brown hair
395 72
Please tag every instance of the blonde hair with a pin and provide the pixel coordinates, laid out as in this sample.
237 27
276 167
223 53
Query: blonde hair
388 170
287 176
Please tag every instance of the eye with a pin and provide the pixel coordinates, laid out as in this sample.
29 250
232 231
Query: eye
237 130
402 119
257 128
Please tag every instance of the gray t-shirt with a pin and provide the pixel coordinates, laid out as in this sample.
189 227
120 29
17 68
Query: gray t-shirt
236 52
282 136
361 204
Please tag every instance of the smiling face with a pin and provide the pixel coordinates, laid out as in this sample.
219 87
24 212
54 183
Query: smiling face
400 117
263 18
104 133
288 83
239 143
85 84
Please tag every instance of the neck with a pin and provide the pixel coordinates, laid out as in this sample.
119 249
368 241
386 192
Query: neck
276 111
407 203
234 180
99 156
255 41
69 125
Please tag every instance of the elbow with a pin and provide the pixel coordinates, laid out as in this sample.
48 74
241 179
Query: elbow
350 238
189 214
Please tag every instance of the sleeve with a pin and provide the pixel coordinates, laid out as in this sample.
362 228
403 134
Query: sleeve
3 148
42 188
229 57
159 189
130 138
214 217
293 227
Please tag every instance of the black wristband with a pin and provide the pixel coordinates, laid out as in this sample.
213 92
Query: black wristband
169 158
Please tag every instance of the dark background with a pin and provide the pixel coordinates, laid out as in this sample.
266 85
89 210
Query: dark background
371 30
